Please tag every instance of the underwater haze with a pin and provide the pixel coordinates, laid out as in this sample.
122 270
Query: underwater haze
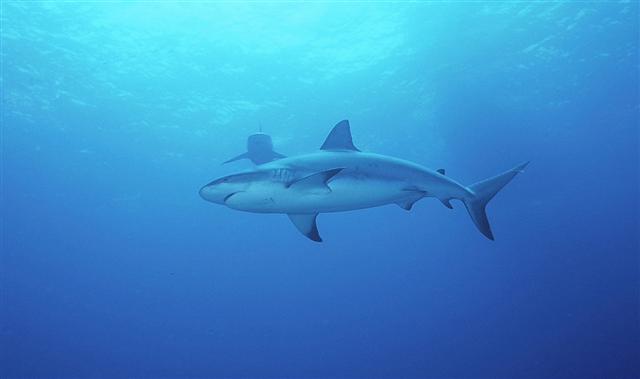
115 114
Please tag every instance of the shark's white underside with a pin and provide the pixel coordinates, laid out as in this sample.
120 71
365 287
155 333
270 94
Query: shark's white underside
363 181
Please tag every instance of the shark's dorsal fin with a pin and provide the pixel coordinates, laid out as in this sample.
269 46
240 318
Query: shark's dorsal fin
339 138
315 181
440 171
306 224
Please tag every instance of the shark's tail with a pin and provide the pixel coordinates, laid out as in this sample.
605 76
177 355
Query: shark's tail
482 192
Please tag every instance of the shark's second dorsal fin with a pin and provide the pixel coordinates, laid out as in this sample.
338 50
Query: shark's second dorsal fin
339 138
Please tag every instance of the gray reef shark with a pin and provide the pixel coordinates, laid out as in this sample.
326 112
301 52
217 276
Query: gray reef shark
342 178
259 150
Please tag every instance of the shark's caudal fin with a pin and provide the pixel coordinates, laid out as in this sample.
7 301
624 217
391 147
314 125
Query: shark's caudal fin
483 192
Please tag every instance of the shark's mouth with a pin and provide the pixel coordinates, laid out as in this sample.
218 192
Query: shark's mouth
230 195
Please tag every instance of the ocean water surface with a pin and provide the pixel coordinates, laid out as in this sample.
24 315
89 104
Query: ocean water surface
115 113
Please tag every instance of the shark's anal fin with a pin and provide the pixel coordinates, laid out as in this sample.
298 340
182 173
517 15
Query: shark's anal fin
339 138
446 203
315 181
306 224
440 171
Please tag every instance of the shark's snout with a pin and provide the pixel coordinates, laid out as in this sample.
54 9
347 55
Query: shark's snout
213 193
219 190
204 192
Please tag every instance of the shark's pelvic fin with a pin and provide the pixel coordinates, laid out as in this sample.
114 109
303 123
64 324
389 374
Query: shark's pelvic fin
318 180
407 203
483 192
339 138
306 224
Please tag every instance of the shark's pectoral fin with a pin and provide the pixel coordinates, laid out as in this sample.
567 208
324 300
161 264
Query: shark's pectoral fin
407 203
315 181
237 158
277 155
306 224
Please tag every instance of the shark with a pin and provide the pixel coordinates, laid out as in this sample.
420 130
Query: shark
340 177
259 150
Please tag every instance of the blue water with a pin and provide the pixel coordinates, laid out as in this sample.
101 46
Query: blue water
114 114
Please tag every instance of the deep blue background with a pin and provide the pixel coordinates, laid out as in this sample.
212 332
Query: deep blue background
114 114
